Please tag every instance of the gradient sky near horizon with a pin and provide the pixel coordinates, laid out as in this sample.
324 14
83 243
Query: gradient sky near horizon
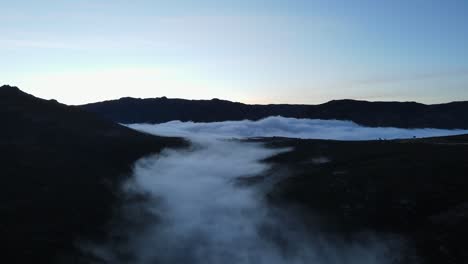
253 51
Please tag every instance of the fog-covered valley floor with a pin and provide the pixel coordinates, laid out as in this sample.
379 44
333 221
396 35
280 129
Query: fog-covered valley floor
197 205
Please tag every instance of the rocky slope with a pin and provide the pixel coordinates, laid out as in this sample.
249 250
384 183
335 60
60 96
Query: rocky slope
60 169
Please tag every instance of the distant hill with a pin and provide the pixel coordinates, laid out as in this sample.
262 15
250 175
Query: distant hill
395 114
60 167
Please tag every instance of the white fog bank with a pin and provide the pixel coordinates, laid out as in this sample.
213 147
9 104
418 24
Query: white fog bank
290 127
200 210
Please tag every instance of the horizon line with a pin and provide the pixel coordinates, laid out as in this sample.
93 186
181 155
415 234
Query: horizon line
240 102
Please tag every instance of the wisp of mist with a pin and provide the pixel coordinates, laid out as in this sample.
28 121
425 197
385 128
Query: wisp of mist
195 209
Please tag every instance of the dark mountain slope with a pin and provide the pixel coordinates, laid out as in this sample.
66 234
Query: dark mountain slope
396 114
417 188
60 167
158 110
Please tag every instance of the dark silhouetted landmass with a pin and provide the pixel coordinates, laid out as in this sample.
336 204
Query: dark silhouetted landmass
417 188
61 168
60 171
394 114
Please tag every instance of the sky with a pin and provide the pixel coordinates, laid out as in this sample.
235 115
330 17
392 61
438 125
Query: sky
252 51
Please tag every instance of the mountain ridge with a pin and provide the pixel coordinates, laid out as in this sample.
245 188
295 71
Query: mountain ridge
453 115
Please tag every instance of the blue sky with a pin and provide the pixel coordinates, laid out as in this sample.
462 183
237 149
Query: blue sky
253 51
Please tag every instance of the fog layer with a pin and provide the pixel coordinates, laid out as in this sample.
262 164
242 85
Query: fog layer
206 204
290 127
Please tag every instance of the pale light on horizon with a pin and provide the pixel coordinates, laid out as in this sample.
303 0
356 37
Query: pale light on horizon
297 52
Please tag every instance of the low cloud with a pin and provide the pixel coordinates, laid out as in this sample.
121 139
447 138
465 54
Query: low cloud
290 127
196 211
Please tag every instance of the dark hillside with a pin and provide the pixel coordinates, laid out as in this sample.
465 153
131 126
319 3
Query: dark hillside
417 188
386 114
159 110
59 170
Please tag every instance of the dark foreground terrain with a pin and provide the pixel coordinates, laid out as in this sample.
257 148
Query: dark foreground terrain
416 188
60 169
386 114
